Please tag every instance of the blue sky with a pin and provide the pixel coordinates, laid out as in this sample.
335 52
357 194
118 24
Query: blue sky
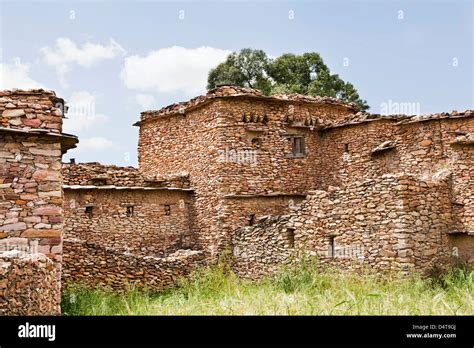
111 60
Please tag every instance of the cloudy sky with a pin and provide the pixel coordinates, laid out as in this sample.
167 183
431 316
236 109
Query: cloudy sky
112 60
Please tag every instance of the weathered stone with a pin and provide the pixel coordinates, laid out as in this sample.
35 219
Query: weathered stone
18 226
32 219
34 123
42 233
22 275
14 241
46 175
45 152
15 121
47 211
13 113
50 194
425 143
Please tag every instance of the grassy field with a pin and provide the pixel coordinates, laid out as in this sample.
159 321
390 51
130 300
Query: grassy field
298 291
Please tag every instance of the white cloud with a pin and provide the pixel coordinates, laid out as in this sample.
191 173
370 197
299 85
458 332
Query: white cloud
66 53
16 75
172 69
82 112
94 144
146 101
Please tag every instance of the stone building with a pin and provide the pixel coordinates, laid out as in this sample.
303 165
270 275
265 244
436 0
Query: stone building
247 154
123 228
31 219
269 177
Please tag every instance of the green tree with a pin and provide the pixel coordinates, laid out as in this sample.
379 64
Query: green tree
305 74
294 74
245 69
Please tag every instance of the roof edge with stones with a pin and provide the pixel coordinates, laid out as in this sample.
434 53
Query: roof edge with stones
97 175
32 91
228 91
400 119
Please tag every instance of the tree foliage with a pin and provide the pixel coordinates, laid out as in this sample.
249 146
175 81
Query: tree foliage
305 74
246 69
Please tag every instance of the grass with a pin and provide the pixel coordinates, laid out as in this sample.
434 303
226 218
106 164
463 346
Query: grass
300 290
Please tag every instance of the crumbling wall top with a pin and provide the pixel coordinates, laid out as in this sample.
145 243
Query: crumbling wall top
95 175
21 93
399 119
236 92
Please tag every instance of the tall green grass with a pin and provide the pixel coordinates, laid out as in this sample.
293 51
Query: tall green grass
300 290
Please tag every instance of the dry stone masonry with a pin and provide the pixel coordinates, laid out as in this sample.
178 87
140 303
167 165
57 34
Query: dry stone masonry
394 222
273 178
124 228
31 196
94 265
28 285
239 148
250 155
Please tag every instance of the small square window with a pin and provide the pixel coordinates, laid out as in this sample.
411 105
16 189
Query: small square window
346 148
89 211
129 211
297 146
167 209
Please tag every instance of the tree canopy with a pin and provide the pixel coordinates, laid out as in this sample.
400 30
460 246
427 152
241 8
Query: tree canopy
305 74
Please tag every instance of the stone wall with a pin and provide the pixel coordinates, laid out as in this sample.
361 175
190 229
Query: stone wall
239 145
28 285
146 222
224 92
394 222
31 216
273 168
462 185
178 144
30 191
427 147
240 210
92 265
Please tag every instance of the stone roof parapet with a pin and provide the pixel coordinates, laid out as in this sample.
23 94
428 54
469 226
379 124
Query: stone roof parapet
400 119
234 91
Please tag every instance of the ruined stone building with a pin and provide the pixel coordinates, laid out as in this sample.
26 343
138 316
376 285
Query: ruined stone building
268 178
